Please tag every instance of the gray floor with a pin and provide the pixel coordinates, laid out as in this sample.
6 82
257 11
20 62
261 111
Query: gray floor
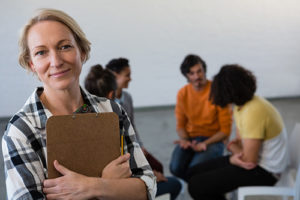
157 129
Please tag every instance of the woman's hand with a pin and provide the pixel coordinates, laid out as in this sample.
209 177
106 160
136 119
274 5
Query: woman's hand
159 176
235 146
236 159
118 168
70 186
198 146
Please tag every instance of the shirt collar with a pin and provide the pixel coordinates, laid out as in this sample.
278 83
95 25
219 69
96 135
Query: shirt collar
39 114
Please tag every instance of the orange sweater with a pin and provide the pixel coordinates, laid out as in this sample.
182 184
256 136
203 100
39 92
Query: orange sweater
198 116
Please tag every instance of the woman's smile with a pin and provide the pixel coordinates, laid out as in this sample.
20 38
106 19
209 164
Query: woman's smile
60 73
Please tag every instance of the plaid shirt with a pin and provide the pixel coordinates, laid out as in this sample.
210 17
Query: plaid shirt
25 153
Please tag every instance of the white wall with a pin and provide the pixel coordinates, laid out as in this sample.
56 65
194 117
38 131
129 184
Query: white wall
262 35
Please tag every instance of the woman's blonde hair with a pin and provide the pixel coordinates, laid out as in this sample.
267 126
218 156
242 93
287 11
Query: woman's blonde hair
52 15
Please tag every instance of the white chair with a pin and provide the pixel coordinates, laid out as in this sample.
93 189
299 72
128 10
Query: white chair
163 197
284 188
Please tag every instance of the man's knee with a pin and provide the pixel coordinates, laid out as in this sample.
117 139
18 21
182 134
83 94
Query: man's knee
175 169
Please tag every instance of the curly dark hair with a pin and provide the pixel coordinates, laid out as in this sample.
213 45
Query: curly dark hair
233 84
117 64
100 81
190 61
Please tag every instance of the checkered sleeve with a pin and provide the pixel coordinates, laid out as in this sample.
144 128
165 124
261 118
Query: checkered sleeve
24 171
138 163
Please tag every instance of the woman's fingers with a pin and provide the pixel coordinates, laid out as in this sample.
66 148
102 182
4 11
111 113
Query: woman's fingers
50 190
49 183
121 159
61 169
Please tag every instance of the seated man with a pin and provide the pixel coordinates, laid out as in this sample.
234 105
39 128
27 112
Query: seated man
201 126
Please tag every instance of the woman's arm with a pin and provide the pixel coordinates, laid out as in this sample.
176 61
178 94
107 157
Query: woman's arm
248 157
23 162
235 146
114 184
251 148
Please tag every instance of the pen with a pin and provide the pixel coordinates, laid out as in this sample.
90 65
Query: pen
122 144
122 137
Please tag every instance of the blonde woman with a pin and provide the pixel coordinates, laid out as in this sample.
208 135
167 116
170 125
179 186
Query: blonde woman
53 47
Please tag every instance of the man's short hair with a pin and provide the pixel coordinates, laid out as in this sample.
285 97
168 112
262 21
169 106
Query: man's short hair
117 65
233 84
190 61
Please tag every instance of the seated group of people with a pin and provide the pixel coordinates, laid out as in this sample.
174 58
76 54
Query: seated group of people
53 47
204 120
258 153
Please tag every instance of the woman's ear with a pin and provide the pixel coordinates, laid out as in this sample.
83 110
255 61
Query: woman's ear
32 68
111 95
83 57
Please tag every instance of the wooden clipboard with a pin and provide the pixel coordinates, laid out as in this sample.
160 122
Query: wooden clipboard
83 143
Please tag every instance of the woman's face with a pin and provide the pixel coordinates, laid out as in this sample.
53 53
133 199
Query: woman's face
54 55
123 78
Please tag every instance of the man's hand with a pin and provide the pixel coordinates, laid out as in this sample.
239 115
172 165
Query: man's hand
159 176
184 144
70 186
198 146
236 159
118 168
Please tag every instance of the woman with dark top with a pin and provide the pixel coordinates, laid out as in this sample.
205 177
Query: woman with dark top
100 82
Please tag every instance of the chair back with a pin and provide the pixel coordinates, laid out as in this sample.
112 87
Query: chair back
294 147
297 186
294 151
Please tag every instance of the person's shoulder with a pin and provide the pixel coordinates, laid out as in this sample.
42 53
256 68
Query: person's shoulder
256 102
262 105
185 88
94 99
209 82
102 101
257 106
127 95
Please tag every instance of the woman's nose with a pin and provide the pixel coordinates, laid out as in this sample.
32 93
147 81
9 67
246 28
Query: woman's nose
55 59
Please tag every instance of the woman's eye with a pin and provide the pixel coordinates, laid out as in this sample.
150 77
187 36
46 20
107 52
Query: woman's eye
65 47
39 53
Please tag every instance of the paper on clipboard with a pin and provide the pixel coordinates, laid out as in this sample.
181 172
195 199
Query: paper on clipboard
83 143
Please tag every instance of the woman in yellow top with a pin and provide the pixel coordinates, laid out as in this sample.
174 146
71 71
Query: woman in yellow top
259 152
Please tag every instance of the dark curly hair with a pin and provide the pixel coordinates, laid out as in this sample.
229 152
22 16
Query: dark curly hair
117 64
100 81
233 84
190 61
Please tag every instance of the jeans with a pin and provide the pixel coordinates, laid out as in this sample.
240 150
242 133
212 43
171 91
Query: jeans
172 186
183 159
